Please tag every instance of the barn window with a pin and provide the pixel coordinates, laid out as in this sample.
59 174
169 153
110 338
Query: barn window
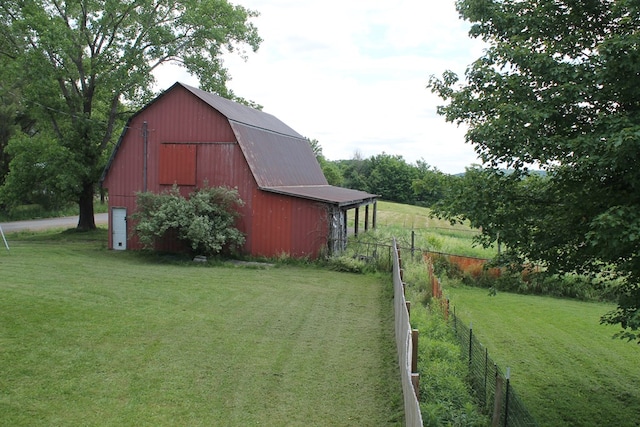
177 164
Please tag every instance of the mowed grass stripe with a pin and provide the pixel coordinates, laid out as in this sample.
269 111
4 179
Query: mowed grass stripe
564 364
96 337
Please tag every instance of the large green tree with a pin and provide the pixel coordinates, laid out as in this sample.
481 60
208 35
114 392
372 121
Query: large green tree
430 184
558 87
84 58
391 177
12 116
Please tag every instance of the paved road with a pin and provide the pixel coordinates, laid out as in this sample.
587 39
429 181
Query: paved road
42 224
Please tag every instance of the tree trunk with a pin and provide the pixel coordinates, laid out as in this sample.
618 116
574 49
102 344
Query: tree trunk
86 220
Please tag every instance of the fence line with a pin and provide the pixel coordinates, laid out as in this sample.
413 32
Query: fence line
406 346
492 387
370 251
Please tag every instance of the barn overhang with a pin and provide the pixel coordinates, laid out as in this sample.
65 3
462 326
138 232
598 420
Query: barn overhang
338 200
343 198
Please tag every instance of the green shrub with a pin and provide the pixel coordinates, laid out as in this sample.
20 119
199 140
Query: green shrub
531 281
346 264
205 221
442 266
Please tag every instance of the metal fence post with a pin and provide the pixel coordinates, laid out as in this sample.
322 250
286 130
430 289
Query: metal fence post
470 344
455 320
497 399
486 368
413 243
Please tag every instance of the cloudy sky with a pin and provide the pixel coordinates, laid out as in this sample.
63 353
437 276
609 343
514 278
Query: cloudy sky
353 73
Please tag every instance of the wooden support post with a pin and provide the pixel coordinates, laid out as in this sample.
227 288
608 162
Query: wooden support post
408 305
345 228
415 380
356 221
375 208
366 217
414 350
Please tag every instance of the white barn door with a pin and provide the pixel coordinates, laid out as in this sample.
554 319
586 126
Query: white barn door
119 228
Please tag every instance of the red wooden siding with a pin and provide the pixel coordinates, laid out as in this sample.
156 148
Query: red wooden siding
283 224
177 164
178 117
271 226
223 164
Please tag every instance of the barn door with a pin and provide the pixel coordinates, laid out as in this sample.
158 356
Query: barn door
119 228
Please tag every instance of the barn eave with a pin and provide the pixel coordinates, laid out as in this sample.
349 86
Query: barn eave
336 196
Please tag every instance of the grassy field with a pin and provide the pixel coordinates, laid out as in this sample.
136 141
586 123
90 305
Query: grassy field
96 337
564 365
429 233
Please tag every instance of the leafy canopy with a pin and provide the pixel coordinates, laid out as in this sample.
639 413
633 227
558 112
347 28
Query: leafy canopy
204 221
557 87
392 178
78 61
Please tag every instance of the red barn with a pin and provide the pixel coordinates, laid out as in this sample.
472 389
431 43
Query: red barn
188 137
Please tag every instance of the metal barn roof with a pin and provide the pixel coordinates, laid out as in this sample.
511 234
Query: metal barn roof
342 197
240 113
276 159
280 159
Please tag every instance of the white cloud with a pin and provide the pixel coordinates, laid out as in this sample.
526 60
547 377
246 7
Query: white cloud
353 74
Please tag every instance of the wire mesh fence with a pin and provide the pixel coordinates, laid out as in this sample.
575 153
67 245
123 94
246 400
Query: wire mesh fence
492 387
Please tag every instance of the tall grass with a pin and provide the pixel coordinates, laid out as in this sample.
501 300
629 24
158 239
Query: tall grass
416 232
445 396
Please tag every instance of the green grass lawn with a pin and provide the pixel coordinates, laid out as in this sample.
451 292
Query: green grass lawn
564 365
90 336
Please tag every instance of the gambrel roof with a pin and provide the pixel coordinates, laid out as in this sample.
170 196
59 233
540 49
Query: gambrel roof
280 159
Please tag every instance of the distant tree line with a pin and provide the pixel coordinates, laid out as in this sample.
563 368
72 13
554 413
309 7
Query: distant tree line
389 176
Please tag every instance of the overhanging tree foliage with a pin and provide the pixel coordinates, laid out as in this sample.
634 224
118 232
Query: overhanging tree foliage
558 87
83 58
